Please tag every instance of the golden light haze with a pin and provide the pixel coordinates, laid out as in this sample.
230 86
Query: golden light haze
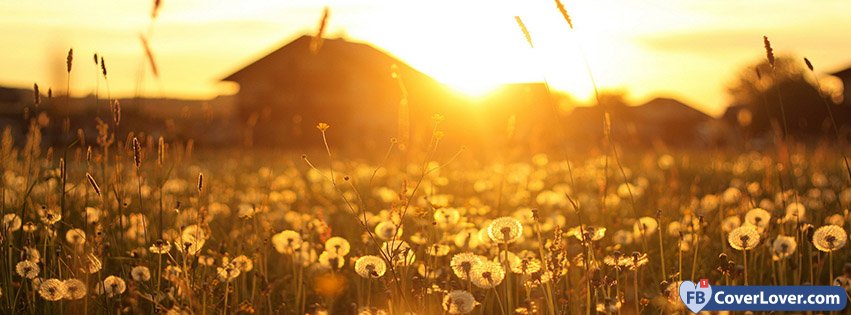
685 49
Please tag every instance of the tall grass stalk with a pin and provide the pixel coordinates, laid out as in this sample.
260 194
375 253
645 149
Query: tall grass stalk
832 118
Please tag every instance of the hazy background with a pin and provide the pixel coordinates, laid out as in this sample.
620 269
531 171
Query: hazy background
688 49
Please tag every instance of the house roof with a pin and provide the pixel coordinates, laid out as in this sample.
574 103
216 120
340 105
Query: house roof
846 73
352 54
661 106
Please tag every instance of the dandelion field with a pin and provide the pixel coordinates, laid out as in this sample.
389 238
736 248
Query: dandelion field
129 222
147 226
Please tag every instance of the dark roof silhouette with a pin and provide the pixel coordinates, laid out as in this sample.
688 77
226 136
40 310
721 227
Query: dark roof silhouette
669 109
366 59
346 84
661 119
845 73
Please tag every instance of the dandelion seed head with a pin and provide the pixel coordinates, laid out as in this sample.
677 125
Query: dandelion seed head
505 230
783 247
462 264
487 274
743 238
338 245
112 286
370 266
287 241
459 302
140 273
829 238
27 269
74 289
52 289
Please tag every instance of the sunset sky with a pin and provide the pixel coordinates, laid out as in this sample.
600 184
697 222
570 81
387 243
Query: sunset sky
687 49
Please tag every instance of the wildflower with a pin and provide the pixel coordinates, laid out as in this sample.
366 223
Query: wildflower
730 223
616 260
645 226
637 260
93 214
446 217
387 230
438 250
305 255
505 230
160 247
227 273
758 217
783 247
287 241
459 302
75 237
399 252
140 273
49 216
190 246
829 238
32 254
506 257
370 266
526 266
538 278
591 233
709 202
795 212
732 196
194 232
243 263
743 238
487 274
30 227
331 260
609 306
52 289
624 190
674 228
246 211
112 286
74 289
835 219
322 126
686 241
90 264
11 222
462 264
673 302
27 269
337 245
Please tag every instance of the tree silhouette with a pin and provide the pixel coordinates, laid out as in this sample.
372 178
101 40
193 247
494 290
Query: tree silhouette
785 90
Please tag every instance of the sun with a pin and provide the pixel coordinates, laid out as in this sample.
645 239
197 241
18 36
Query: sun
475 59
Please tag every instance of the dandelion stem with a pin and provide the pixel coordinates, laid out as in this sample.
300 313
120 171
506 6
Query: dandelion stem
745 257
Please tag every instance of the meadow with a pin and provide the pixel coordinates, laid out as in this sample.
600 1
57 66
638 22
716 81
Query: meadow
133 224
125 222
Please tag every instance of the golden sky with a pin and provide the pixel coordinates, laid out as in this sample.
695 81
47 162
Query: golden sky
687 49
